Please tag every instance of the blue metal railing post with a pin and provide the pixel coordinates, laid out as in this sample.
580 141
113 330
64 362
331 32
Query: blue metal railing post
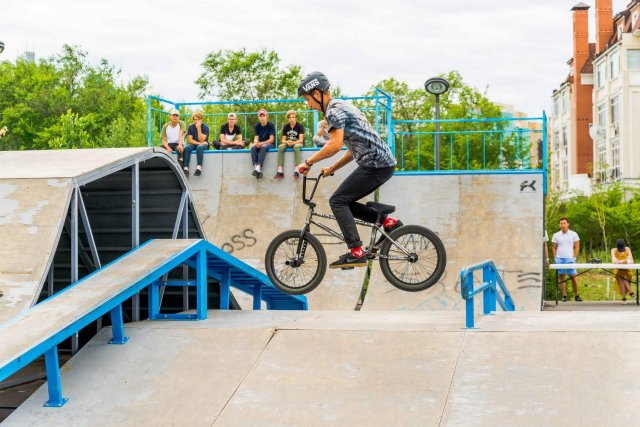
544 152
257 297
117 326
489 294
148 121
201 285
469 303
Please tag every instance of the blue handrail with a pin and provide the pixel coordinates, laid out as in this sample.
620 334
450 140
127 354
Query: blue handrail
491 282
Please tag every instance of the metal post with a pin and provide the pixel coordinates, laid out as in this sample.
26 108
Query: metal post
257 296
489 293
185 269
201 285
469 303
117 326
437 160
74 255
148 121
225 288
544 153
154 301
53 378
135 228
50 281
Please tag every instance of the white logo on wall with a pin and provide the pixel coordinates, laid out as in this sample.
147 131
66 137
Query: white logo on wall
313 83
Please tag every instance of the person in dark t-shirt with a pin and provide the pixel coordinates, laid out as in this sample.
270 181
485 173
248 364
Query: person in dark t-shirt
292 137
265 136
198 138
230 135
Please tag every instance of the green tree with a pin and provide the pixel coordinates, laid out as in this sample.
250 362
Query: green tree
415 142
64 102
242 75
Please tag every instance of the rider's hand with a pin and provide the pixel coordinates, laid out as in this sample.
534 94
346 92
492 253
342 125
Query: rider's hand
326 172
303 168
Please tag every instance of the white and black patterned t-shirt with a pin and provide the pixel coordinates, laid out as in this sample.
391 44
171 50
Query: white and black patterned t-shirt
366 146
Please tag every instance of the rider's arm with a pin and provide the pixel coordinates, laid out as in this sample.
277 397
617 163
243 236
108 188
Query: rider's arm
341 161
333 145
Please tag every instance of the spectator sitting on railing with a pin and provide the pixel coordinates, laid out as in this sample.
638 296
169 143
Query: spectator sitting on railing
621 254
198 138
173 134
292 136
230 135
566 246
321 138
265 135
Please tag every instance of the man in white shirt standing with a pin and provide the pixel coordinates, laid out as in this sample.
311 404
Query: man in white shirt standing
566 245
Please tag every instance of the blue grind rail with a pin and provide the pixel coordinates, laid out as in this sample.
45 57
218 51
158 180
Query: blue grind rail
491 284
204 257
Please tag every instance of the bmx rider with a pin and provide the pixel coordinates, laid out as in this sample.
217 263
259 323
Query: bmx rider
347 125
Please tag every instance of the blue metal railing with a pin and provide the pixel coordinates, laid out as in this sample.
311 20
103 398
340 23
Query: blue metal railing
499 144
491 283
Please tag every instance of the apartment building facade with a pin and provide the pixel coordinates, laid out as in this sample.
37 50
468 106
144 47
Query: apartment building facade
594 126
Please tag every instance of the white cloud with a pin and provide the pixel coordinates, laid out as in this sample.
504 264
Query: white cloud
517 48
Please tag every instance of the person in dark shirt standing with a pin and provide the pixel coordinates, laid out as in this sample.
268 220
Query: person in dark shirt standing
292 136
230 135
265 135
198 138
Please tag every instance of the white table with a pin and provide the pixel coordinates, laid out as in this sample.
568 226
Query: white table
608 267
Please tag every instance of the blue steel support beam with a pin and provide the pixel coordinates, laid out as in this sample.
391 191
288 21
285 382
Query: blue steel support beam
117 326
154 300
53 378
225 290
257 296
201 285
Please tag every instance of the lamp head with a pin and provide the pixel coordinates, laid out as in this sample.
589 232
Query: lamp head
436 86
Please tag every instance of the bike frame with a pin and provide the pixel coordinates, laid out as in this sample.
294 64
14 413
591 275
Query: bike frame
311 213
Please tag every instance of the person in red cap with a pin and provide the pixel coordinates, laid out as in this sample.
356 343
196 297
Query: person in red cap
265 135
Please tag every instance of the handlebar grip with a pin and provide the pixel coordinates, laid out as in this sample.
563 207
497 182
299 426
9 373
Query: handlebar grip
301 170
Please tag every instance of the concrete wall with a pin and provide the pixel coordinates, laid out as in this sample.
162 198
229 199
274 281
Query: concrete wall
478 217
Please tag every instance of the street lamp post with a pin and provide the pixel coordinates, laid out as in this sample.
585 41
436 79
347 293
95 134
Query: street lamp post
437 86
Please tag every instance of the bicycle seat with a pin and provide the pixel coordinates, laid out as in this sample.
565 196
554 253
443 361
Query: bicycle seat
381 208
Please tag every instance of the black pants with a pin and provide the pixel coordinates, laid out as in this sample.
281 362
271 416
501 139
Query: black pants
362 182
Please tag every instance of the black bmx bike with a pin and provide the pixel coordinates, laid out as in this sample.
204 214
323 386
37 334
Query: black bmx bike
412 257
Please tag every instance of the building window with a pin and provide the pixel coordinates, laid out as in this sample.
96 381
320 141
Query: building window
602 114
634 19
633 59
601 69
614 64
564 101
602 162
619 32
564 175
615 113
556 140
564 136
556 107
615 159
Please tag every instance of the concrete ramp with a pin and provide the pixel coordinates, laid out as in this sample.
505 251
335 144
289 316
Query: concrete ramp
241 215
35 190
478 217
258 368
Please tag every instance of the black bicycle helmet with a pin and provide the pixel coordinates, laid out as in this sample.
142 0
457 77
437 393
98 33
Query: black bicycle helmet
314 80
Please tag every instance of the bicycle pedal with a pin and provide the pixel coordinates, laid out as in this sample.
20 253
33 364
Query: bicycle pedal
347 268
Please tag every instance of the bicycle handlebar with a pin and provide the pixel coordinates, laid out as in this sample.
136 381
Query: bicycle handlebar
304 187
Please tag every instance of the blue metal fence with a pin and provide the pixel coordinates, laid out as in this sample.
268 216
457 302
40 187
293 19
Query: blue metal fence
491 284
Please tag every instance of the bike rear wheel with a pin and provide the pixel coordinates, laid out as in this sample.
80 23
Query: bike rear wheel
290 271
424 265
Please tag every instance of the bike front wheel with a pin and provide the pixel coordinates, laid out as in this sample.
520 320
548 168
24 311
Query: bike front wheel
420 265
292 271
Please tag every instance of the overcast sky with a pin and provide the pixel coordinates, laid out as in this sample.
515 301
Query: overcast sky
516 48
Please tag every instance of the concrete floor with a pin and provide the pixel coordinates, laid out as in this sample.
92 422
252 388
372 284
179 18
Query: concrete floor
355 368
